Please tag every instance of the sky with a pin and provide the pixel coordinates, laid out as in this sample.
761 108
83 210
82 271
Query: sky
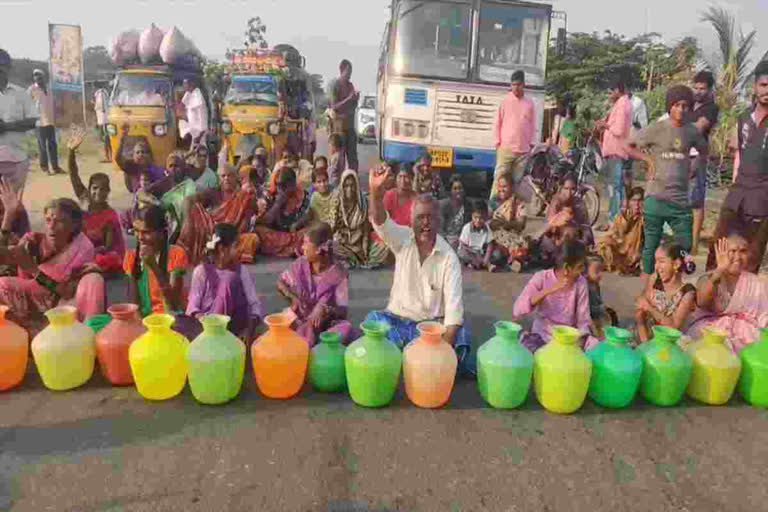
315 27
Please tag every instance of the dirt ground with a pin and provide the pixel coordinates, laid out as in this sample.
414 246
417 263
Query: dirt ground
100 448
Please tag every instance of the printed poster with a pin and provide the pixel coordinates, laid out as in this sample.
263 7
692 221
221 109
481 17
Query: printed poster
66 74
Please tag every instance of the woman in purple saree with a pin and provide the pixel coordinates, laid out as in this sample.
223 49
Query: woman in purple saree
317 288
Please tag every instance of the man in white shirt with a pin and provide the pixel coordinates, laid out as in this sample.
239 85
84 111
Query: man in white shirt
639 122
427 283
46 131
100 101
17 116
195 122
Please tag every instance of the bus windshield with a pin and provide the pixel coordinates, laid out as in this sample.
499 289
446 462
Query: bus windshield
252 90
433 39
147 91
510 38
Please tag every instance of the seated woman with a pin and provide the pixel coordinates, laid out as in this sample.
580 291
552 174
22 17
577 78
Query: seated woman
566 208
101 223
198 170
225 287
399 201
557 296
352 230
140 163
731 298
56 267
322 199
622 246
427 180
156 271
507 224
281 229
668 301
454 212
317 288
228 203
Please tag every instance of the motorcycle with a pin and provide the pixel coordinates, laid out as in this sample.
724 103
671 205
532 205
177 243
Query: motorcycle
546 167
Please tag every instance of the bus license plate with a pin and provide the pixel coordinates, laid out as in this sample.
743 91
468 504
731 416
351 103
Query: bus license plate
442 157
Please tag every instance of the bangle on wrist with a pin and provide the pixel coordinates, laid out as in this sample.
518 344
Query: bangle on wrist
46 282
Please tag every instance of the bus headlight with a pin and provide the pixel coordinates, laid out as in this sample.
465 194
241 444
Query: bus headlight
410 128
160 129
226 127
112 130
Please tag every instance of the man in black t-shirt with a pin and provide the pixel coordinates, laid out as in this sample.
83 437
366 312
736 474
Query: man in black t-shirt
704 115
745 209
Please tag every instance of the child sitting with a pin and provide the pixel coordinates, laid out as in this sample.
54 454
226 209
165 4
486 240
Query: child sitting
557 296
600 314
475 241
224 287
101 223
322 198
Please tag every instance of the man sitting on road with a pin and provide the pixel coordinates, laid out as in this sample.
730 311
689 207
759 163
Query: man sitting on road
427 283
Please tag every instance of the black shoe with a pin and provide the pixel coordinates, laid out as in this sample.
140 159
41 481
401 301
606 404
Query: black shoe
58 170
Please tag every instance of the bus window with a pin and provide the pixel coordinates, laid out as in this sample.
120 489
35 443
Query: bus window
432 39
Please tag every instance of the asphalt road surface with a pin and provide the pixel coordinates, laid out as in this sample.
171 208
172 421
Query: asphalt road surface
100 448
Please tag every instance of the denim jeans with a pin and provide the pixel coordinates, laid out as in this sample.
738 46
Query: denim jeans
46 141
614 185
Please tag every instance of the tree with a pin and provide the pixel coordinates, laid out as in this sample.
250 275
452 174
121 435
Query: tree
734 51
215 73
97 63
254 34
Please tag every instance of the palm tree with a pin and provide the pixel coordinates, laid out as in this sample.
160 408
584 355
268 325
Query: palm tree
734 52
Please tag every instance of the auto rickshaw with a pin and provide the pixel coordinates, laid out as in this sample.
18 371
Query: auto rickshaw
145 100
268 103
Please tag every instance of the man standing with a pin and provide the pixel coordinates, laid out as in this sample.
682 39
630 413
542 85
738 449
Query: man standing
46 132
342 102
17 115
639 122
427 283
195 121
615 136
704 116
745 209
100 100
514 130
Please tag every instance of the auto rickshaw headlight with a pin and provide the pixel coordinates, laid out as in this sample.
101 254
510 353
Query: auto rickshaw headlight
160 129
274 128
112 130
226 127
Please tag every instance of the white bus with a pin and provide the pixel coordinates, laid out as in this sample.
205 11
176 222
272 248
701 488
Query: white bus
444 68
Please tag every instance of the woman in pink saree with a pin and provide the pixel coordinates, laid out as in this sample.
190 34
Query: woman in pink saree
317 288
730 298
55 267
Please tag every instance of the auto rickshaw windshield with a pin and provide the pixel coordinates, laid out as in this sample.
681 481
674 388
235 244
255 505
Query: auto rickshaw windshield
252 90
146 91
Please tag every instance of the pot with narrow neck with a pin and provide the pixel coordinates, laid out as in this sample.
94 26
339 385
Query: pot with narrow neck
216 360
715 370
504 368
373 366
65 351
158 359
280 359
753 382
114 341
616 370
561 372
326 364
429 367
666 368
14 352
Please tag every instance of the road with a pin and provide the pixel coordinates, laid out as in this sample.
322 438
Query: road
100 448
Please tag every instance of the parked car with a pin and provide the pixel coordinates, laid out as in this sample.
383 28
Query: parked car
366 119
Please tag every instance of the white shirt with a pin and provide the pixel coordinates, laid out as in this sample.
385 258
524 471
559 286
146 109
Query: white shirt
100 106
44 103
639 115
423 292
15 105
475 240
197 115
